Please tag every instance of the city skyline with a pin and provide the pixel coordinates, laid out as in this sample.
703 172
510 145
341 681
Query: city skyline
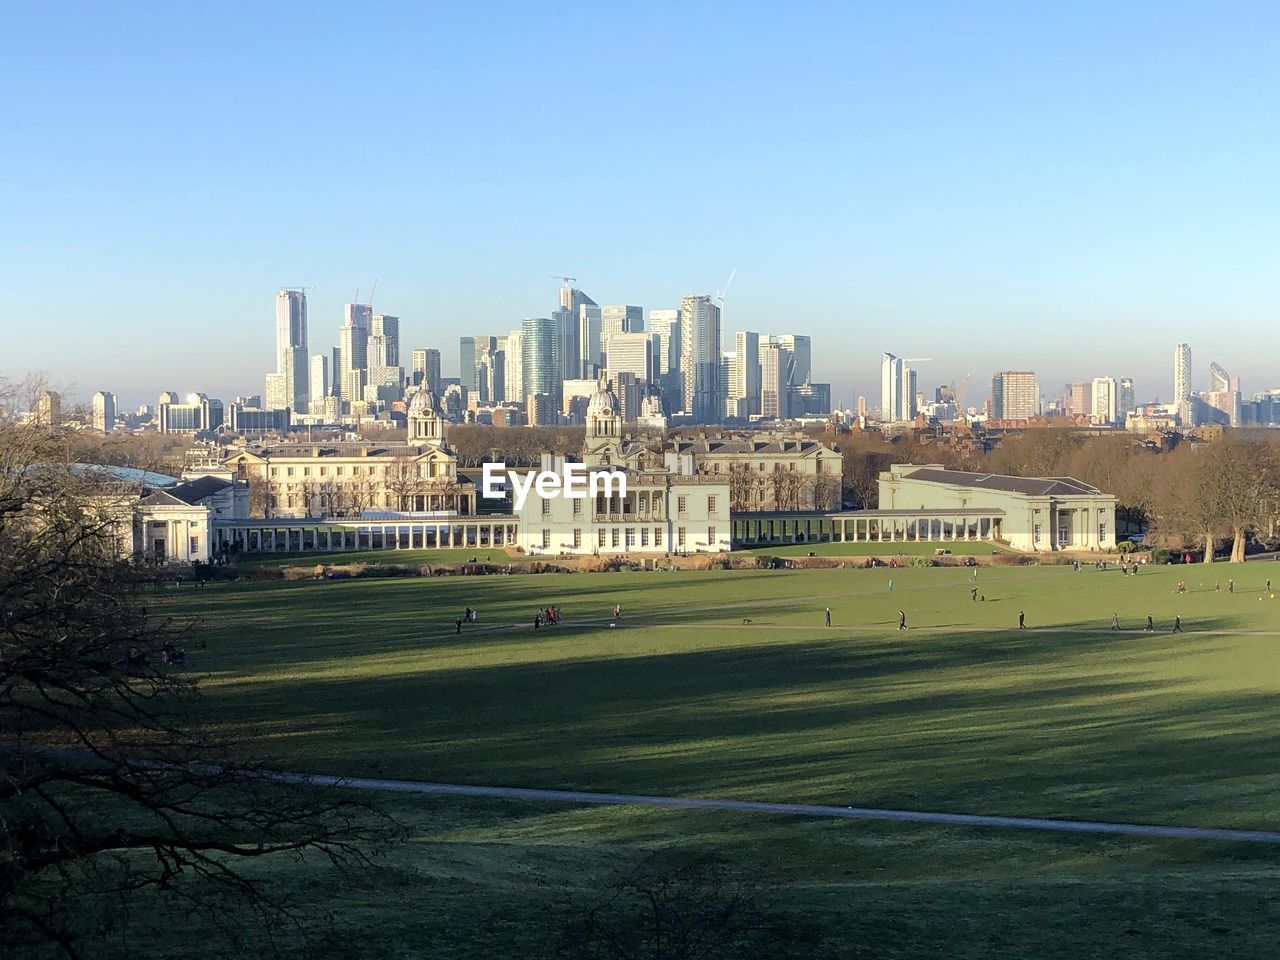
1017 185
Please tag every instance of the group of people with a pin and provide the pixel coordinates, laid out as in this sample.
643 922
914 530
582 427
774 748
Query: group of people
550 616
468 616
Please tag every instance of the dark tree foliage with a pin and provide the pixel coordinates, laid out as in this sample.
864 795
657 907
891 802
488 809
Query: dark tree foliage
112 792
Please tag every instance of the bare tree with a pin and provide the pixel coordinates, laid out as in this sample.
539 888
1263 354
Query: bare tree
110 783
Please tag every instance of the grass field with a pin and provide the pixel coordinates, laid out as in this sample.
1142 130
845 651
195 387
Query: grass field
962 712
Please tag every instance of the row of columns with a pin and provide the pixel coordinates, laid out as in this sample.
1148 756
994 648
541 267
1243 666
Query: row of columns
866 529
290 538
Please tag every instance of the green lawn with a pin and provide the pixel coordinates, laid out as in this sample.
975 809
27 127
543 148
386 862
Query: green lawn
962 712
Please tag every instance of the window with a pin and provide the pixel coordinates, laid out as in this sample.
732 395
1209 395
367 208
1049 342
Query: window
577 507
682 505
711 536
657 536
1035 533
577 538
642 500
680 537
324 471
546 538
711 506
275 471
290 471
631 537
613 537
546 508
602 536
644 536
195 544
306 471
1102 533
340 471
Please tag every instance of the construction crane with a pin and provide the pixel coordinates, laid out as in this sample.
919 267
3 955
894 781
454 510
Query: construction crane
720 295
566 280
371 293
918 360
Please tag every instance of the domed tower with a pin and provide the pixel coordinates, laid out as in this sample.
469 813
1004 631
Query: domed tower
604 427
426 428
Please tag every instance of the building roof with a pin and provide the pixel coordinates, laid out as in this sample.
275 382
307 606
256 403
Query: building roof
749 447
339 448
197 490
1033 486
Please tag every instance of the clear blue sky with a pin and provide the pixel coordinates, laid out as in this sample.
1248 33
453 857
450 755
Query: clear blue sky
1071 188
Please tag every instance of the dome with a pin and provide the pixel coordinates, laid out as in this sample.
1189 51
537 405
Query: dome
602 404
423 404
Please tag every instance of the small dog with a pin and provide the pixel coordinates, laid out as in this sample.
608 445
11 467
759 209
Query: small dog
747 620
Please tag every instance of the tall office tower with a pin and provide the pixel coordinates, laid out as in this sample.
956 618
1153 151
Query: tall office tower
800 364
745 384
388 328
1181 373
1128 401
773 380
540 361
276 391
665 325
892 402
104 411
1222 403
618 319
1015 395
418 370
353 349
568 318
335 372
513 376
434 379
491 375
467 363
291 346
319 381
591 355
1080 403
862 406
1104 399
631 353
700 358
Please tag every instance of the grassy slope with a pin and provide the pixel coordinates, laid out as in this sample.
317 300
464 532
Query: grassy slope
960 713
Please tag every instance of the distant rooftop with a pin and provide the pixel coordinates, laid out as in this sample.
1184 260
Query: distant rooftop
1034 486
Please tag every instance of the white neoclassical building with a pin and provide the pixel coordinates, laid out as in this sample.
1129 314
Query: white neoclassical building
668 509
1035 514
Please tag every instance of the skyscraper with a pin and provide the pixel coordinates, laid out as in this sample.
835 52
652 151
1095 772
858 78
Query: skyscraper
618 319
1015 395
631 353
568 318
1182 380
539 346
897 390
291 347
665 324
319 380
700 358
1128 401
353 350
591 356
745 387
1105 400
104 411
467 364
773 380
388 330
418 369
513 376
800 356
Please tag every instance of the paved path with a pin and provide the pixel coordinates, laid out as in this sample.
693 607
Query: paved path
782 809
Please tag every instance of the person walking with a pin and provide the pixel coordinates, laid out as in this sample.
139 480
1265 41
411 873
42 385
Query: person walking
828 616
466 615
1150 624
973 594
1177 623
537 620
1115 621
458 622
902 620
1022 620
1268 584
891 584
1217 586
617 610
1231 586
